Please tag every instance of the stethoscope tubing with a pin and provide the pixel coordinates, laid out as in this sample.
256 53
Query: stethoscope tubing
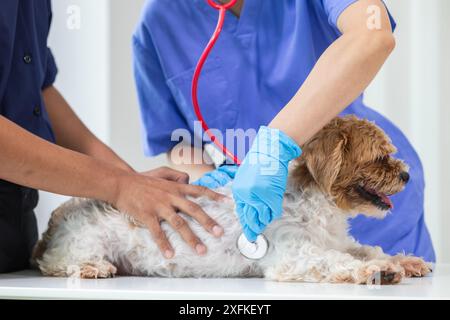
251 250
198 70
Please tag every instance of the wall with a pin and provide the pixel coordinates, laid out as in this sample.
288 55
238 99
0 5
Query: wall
124 116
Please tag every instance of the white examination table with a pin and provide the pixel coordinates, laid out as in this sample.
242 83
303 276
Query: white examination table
30 285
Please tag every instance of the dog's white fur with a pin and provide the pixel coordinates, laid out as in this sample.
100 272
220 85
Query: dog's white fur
309 243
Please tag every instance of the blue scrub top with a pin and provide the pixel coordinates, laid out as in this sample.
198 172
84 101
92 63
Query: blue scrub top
257 66
27 65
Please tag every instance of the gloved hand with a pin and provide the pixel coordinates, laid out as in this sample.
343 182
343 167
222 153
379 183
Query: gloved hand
261 180
217 178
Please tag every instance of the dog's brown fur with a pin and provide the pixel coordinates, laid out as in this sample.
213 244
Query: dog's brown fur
347 153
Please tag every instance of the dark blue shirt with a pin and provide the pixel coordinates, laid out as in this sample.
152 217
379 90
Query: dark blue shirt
27 65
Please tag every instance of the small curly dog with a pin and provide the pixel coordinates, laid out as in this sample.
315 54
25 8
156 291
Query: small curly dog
346 169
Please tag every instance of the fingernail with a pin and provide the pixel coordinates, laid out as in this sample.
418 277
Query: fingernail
201 249
168 254
217 231
221 197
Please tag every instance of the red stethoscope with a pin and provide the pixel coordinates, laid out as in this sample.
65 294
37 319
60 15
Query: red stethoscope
223 8
252 250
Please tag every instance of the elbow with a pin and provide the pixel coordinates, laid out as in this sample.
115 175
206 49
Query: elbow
386 41
378 43
381 42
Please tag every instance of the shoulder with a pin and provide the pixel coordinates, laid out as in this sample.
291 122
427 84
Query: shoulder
157 11
162 17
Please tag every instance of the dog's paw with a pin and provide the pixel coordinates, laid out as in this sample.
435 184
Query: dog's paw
414 266
97 270
380 272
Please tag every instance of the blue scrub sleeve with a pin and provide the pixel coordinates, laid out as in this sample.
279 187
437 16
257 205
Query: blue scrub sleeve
51 72
159 112
334 8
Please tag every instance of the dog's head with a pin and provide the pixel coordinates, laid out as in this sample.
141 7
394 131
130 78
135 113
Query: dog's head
351 161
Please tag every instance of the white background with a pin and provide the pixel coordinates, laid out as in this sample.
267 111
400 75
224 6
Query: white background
413 89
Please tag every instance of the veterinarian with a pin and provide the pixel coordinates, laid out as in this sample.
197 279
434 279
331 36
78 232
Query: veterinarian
290 65
43 145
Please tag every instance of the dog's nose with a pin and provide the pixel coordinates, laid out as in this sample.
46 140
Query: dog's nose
404 176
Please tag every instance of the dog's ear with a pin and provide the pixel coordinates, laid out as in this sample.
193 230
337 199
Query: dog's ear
323 157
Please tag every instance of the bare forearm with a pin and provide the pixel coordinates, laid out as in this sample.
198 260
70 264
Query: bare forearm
339 77
30 161
71 133
342 73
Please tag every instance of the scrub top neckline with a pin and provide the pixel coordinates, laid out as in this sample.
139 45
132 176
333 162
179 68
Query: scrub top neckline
244 24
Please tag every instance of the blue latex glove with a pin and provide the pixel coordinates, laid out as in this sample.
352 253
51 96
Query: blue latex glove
217 178
261 180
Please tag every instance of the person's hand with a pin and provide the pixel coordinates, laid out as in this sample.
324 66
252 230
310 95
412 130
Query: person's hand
151 200
168 174
261 180
217 178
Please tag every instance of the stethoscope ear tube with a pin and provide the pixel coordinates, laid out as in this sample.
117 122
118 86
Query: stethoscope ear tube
225 6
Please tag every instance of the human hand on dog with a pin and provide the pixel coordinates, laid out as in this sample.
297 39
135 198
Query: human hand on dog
153 198
168 174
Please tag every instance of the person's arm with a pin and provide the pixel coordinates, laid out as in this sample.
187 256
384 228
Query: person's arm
342 73
33 162
72 134
190 160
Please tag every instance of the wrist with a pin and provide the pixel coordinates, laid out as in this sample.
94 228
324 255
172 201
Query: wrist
276 144
101 151
111 182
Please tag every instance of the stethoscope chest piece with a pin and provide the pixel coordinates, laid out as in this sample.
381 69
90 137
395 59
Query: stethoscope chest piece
253 250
